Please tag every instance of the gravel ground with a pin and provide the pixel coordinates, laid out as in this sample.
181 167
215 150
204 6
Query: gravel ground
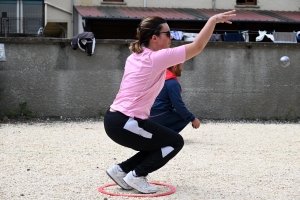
220 160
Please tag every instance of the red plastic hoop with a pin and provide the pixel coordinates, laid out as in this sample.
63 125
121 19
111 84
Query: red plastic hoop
171 191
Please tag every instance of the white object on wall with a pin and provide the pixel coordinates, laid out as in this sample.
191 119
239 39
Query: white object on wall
189 37
2 53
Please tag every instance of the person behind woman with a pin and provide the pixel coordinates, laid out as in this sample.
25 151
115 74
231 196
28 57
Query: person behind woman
126 121
169 109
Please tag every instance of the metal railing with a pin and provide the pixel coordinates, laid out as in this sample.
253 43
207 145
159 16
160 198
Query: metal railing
26 25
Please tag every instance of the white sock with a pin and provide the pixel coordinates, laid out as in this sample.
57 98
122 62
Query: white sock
119 168
134 174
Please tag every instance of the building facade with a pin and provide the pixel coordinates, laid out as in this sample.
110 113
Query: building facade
292 5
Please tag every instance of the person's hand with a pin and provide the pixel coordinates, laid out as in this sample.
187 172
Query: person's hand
196 123
223 17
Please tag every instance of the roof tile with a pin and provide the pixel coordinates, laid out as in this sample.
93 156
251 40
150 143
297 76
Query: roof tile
185 14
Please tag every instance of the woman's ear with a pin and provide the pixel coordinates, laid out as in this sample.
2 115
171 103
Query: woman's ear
154 38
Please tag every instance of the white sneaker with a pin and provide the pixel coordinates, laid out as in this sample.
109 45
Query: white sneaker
139 183
117 177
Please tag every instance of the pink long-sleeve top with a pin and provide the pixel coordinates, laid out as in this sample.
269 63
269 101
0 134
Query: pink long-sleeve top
144 78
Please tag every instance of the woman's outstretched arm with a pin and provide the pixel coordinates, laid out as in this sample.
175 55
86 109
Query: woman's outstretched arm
203 37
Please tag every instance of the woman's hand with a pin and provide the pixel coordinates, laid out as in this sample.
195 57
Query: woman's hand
223 17
204 35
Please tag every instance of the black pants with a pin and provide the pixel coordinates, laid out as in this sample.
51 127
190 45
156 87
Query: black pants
156 144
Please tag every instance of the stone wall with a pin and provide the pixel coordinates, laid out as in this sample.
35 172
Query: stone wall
225 81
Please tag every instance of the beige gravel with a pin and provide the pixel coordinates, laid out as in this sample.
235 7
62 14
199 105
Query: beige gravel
220 160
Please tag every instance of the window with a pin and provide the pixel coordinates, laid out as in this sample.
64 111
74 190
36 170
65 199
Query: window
117 2
113 0
246 2
21 16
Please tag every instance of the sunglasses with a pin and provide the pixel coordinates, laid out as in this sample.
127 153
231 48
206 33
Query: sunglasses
168 33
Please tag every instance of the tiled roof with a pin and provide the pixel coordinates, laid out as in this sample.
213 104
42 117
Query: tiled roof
109 12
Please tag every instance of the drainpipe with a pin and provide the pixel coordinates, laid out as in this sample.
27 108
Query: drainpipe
72 18
145 3
63 28
214 4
